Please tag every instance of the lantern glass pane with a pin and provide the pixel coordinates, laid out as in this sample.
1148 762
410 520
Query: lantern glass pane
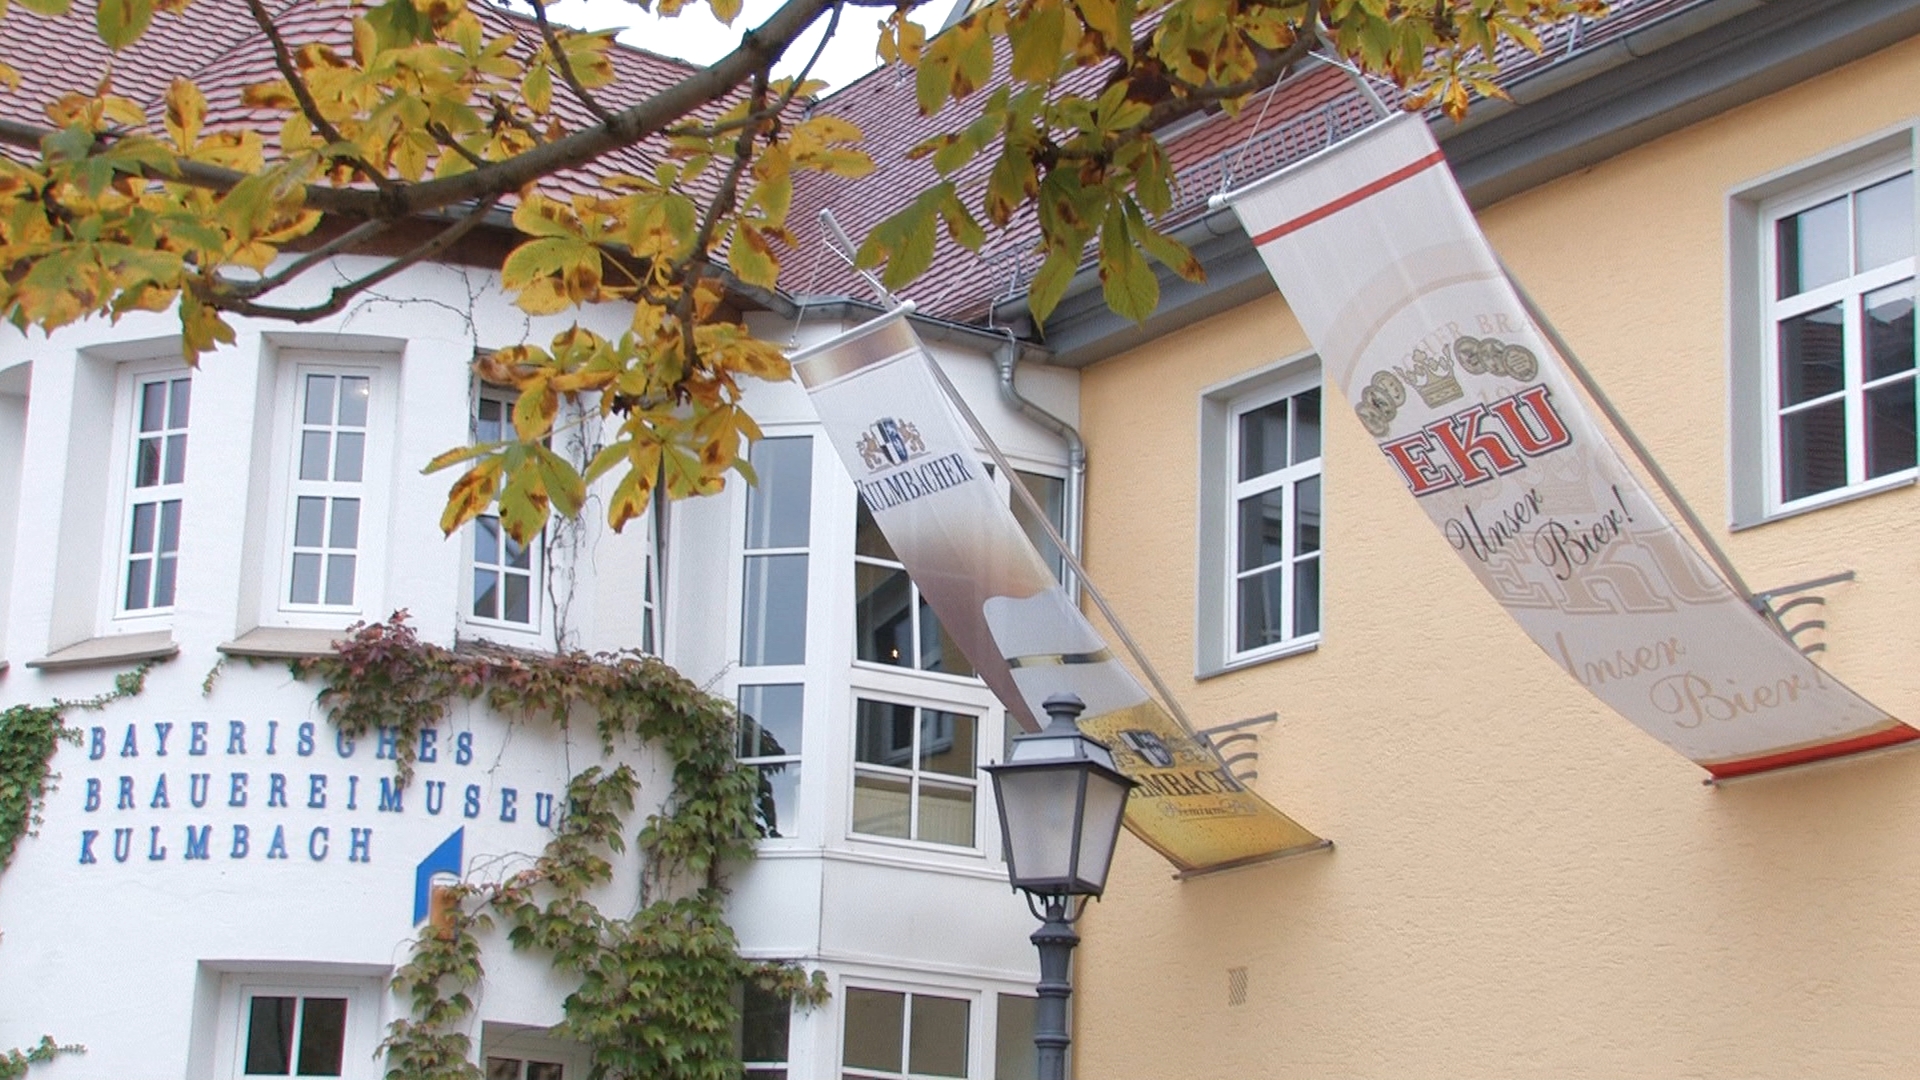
1039 806
1106 802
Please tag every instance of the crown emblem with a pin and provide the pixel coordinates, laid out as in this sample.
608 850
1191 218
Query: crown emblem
1430 376
889 441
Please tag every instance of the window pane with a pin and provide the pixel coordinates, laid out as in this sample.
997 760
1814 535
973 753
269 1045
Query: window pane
881 805
270 1036
490 424
1890 428
153 406
354 392
1814 445
774 629
144 517
543 1070
146 466
1051 493
163 576
777 801
938 650
1263 440
770 720
875 1023
309 521
313 454
1306 513
139 581
1014 1056
1812 355
1306 425
176 468
764 1020
1889 326
1262 528
519 599
946 814
520 556
348 452
778 506
181 392
937 1038
883 734
306 579
486 540
1262 599
345 532
1813 248
319 410
170 525
1306 597
882 614
323 1033
503 1068
340 580
486 594
1883 222
867 537
946 742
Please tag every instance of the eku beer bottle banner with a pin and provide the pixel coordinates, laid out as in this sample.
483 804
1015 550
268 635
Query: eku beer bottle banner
1379 257
948 523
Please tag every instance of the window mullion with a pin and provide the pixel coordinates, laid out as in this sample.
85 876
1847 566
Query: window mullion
1853 352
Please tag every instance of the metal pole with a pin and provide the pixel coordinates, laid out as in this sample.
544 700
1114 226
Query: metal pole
1055 940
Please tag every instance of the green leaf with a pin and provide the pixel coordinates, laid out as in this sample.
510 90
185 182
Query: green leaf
121 22
1126 281
1050 281
1039 37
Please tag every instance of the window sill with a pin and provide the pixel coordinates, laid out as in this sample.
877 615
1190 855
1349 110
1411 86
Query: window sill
282 643
112 649
1296 648
1844 495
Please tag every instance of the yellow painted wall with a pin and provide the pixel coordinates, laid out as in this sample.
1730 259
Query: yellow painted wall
1525 885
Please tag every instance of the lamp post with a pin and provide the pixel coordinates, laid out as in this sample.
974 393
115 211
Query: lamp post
1061 800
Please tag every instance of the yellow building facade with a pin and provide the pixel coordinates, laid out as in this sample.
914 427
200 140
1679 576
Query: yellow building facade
1524 884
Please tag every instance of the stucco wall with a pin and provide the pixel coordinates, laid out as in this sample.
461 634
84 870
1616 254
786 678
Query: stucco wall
1524 884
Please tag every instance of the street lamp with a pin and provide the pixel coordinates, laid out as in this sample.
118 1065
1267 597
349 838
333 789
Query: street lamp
1060 802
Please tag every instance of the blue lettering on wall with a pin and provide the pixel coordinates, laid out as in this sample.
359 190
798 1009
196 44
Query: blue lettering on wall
429 745
197 739
543 809
276 789
155 852
390 791
197 785
241 842
126 793
317 843
388 744
463 748
343 744
160 733
96 743
360 846
353 793
236 737
508 812
436 796
316 792
237 795
277 849
87 837
273 732
122 845
197 842
472 807
130 747
93 794
160 801
305 749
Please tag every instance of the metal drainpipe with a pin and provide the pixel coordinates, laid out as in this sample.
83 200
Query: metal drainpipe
1006 357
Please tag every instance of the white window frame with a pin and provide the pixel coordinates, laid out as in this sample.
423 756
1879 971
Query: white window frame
980 1057
374 489
1754 459
363 1025
912 774
1849 293
537 549
114 616
1220 490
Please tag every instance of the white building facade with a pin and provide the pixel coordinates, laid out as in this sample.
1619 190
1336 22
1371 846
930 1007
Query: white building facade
222 885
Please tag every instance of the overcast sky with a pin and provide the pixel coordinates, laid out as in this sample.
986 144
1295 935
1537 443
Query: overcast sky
697 36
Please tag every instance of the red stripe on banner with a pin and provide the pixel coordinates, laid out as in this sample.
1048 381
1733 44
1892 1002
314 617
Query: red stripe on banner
1893 736
1351 197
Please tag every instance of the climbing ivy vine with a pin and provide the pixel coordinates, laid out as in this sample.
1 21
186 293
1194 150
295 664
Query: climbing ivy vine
29 737
654 996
